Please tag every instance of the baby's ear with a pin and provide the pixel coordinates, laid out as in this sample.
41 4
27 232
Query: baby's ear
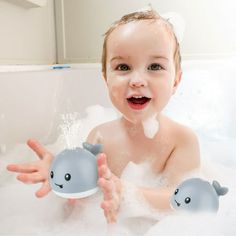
104 77
177 81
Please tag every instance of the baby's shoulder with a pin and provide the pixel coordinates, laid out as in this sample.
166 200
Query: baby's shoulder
100 132
182 133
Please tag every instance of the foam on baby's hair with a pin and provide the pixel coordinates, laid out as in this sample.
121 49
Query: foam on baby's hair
178 23
174 18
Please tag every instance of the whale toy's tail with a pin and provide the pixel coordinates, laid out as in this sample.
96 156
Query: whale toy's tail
93 148
219 190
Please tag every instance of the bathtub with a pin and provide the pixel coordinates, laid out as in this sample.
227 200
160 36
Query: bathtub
33 100
34 97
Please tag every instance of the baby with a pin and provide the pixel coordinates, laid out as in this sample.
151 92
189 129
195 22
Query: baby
141 65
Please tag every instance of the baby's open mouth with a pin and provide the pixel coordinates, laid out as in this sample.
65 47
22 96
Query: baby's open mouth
138 100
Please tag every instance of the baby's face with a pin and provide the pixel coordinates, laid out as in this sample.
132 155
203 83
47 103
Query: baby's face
140 69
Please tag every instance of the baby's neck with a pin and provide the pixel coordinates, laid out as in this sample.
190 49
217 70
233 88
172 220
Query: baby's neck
136 129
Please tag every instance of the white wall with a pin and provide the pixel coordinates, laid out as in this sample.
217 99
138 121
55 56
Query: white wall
210 26
32 112
27 35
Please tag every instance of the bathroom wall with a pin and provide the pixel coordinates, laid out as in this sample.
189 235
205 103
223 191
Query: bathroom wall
27 34
210 30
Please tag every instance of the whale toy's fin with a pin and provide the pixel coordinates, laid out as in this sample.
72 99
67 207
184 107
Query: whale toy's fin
93 148
219 190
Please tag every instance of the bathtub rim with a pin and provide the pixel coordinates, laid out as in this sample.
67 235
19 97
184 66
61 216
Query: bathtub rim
186 62
26 68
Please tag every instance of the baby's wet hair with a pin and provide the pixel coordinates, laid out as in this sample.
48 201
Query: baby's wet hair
138 16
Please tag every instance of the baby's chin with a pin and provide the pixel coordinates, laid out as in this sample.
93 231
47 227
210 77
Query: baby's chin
137 119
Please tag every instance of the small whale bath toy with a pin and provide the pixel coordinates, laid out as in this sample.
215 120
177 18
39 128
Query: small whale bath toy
73 173
197 195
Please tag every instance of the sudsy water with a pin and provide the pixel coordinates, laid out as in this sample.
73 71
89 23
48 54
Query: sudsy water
21 213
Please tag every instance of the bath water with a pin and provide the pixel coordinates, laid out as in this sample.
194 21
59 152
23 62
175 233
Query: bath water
21 213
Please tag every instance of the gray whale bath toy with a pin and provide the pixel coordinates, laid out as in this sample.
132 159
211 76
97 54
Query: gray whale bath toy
197 195
73 173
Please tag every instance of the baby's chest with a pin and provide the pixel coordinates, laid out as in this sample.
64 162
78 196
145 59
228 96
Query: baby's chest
123 153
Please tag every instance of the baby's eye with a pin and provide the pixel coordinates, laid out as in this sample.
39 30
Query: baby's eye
155 66
122 67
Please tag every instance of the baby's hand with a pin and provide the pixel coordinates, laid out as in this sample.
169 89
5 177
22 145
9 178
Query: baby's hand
37 171
111 187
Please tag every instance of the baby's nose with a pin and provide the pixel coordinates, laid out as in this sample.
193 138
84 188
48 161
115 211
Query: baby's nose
138 80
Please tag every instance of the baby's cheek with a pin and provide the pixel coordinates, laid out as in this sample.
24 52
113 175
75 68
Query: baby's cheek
116 89
113 90
117 79
121 79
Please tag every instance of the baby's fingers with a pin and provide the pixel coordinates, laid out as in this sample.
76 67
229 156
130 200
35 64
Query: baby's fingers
44 190
39 149
22 168
102 159
110 211
104 172
30 178
107 188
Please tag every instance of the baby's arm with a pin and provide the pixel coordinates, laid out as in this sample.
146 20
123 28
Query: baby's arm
37 171
183 159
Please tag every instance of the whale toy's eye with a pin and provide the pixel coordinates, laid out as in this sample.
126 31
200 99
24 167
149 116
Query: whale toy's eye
67 177
51 174
187 200
176 191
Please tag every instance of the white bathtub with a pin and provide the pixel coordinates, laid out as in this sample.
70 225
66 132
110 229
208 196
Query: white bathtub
32 101
31 104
